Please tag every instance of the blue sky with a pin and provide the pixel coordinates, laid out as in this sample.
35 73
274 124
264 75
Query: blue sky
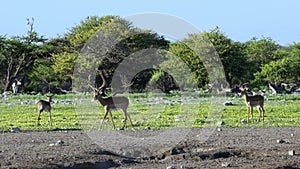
240 20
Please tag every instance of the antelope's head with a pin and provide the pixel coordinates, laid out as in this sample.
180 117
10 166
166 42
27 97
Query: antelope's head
243 91
49 98
98 93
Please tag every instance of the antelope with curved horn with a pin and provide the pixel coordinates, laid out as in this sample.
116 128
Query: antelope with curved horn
111 103
43 105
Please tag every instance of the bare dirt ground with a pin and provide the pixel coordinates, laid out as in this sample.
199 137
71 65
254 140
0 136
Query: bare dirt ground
226 148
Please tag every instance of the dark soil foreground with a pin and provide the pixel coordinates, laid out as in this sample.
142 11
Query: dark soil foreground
226 148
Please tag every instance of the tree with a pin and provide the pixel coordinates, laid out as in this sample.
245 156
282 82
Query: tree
286 69
185 65
18 55
232 56
67 48
63 64
42 77
114 41
260 52
82 32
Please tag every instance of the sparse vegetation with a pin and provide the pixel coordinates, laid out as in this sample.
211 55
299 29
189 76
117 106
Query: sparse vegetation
147 111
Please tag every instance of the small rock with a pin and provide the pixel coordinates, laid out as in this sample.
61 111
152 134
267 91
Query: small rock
76 124
227 103
177 120
243 121
280 141
121 128
219 129
15 129
221 123
178 117
59 143
147 128
292 135
226 164
64 165
171 167
158 117
55 129
292 153
126 154
23 103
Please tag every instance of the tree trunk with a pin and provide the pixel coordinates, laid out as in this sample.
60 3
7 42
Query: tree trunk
9 80
8 83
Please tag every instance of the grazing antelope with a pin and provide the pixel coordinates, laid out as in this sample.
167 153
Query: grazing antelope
43 105
111 103
252 101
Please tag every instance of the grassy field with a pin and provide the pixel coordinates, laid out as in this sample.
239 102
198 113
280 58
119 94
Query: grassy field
149 110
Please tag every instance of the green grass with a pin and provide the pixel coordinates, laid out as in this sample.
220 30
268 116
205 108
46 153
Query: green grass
156 111
283 111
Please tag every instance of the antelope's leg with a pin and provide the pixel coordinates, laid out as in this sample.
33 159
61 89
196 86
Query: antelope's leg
39 117
106 112
112 120
251 112
260 111
50 119
248 108
127 115
125 119
263 113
